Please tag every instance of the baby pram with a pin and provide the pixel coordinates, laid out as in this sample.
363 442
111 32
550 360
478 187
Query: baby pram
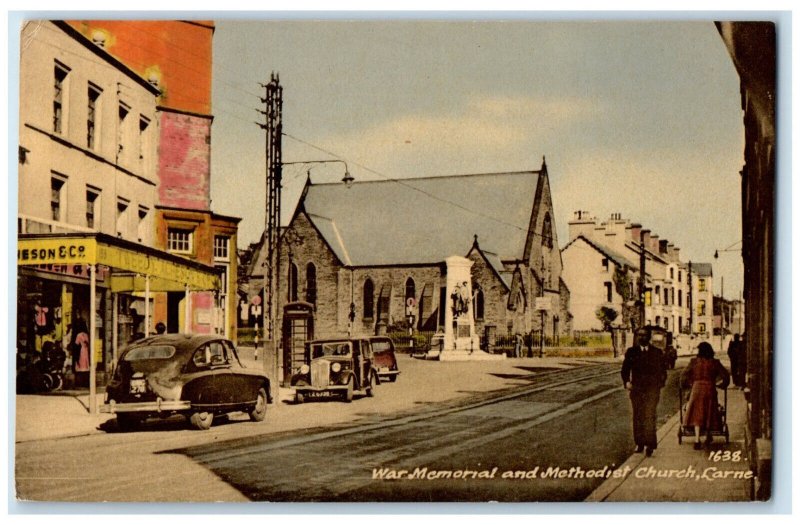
720 428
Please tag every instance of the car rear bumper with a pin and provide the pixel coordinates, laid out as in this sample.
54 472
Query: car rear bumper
160 405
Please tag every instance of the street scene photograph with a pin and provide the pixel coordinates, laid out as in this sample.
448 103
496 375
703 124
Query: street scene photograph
369 260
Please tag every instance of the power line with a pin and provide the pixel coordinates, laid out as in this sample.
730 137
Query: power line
410 186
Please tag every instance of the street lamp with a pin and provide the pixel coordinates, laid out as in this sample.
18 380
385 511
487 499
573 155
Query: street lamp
722 293
347 179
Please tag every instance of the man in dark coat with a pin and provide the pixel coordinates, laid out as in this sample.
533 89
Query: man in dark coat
644 374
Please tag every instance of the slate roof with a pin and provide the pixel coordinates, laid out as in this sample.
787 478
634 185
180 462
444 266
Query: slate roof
702 269
423 220
618 259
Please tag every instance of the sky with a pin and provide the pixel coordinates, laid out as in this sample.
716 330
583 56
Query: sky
641 118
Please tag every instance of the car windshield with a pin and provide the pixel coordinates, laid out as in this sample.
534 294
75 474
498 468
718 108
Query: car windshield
142 353
330 349
379 346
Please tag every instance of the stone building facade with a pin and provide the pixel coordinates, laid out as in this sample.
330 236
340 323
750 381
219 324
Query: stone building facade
370 257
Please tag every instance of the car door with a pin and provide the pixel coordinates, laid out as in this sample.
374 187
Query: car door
242 384
208 389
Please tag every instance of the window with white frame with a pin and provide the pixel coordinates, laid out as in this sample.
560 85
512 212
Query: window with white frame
179 240
60 73
92 206
92 115
58 184
222 248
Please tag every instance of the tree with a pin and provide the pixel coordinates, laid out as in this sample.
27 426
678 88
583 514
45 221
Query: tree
622 285
607 316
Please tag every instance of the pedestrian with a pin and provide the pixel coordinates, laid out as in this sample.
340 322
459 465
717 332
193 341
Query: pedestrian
644 374
736 353
80 350
517 345
703 374
161 328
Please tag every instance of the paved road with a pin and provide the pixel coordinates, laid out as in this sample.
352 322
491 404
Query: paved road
575 418
546 419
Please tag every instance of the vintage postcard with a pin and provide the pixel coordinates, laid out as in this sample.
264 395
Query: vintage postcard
395 260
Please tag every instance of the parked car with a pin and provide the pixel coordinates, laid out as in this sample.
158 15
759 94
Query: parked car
336 368
661 339
385 360
199 376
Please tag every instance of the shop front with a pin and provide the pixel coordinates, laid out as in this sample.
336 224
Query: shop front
98 285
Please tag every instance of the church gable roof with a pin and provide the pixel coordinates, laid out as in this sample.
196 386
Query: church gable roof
424 220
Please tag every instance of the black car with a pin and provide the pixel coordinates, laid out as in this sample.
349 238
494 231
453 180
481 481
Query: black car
336 368
199 376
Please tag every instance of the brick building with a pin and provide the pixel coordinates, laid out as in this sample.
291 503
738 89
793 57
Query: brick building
370 257
176 57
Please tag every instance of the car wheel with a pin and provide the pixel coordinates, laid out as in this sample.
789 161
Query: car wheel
392 378
299 398
58 382
371 388
127 422
348 396
201 420
259 411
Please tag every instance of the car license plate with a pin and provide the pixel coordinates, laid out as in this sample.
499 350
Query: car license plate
323 393
138 386
384 369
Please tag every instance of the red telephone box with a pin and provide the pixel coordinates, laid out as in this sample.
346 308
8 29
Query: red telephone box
298 327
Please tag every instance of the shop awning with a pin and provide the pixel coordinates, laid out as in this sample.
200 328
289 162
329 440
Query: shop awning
130 263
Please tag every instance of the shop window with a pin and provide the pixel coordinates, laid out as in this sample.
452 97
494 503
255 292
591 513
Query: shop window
60 78
92 206
91 114
221 248
179 240
369 299
311 283
57 193
223 278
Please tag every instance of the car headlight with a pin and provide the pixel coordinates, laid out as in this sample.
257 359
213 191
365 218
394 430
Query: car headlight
305 369
336 367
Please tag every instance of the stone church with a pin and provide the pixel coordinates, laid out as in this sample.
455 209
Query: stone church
369 257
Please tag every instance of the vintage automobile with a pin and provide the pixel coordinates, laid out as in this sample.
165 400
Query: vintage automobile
336 368
661 339
385 361
198 376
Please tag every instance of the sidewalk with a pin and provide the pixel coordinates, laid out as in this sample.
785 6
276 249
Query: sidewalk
678 473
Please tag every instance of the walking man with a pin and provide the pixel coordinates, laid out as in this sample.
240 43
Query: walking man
644 374
735 353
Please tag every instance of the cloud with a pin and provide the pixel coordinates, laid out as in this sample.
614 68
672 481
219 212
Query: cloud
484 133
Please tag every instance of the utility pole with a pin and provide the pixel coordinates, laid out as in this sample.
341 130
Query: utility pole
642 280
273 106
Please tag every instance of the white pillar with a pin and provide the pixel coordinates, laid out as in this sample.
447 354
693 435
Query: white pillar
92 328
